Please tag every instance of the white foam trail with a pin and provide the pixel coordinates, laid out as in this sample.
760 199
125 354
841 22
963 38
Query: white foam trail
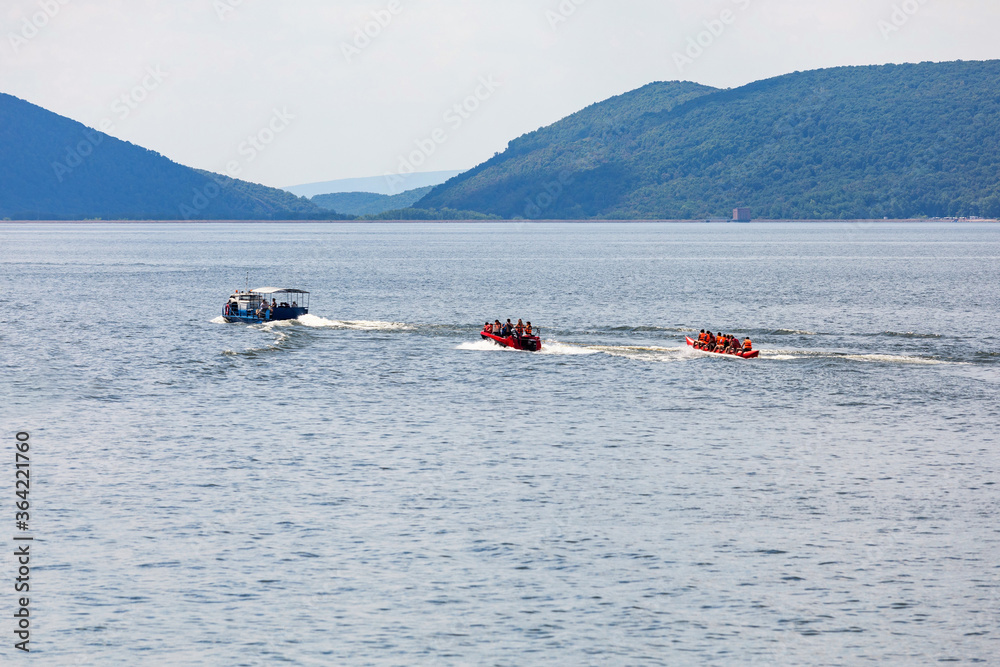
793 354
565 349
273 328
270 326
651 354
484 346
891 359
610 349
358 325
218 320
787 355
275 344
548 347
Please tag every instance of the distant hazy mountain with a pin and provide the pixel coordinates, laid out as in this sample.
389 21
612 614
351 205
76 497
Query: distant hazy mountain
369 203
383 185
892 141
52 167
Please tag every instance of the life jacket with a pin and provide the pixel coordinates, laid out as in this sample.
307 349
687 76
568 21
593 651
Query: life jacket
527 330
747 345
701 337
519 329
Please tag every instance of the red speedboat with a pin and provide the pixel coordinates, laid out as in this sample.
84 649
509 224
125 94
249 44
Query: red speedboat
527 343
752 354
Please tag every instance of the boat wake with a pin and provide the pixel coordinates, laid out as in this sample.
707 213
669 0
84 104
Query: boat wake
648 329
647 353
910 334
790 355
650 353
273 328
549 347
656 354
565 349
316 322
556 348
356 325
484 346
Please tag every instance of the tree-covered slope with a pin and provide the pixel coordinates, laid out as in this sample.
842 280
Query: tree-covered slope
54 168
369 203
853 142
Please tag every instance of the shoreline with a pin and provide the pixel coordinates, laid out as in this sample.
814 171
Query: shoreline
516 221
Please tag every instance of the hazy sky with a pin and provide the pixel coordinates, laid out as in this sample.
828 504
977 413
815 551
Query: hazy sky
193 79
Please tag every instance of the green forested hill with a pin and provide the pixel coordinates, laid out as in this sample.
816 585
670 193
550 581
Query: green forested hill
54 168
369 203
892 141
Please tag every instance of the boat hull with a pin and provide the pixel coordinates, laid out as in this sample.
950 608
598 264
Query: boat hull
752 354
526 343
276 315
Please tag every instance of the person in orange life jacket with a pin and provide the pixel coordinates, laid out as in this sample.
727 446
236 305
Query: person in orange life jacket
747 345
527 329
701 338
519 328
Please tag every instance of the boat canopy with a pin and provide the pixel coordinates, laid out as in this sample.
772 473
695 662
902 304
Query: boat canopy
278 290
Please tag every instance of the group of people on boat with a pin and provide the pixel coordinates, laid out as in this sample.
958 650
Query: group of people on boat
506 330
722 343
263 310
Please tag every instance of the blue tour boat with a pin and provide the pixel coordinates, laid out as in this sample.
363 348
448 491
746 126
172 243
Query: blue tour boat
266 304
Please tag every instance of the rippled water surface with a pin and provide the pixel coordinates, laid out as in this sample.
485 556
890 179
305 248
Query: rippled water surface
375 485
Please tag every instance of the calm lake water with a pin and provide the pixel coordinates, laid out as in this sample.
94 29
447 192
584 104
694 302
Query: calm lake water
374 485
